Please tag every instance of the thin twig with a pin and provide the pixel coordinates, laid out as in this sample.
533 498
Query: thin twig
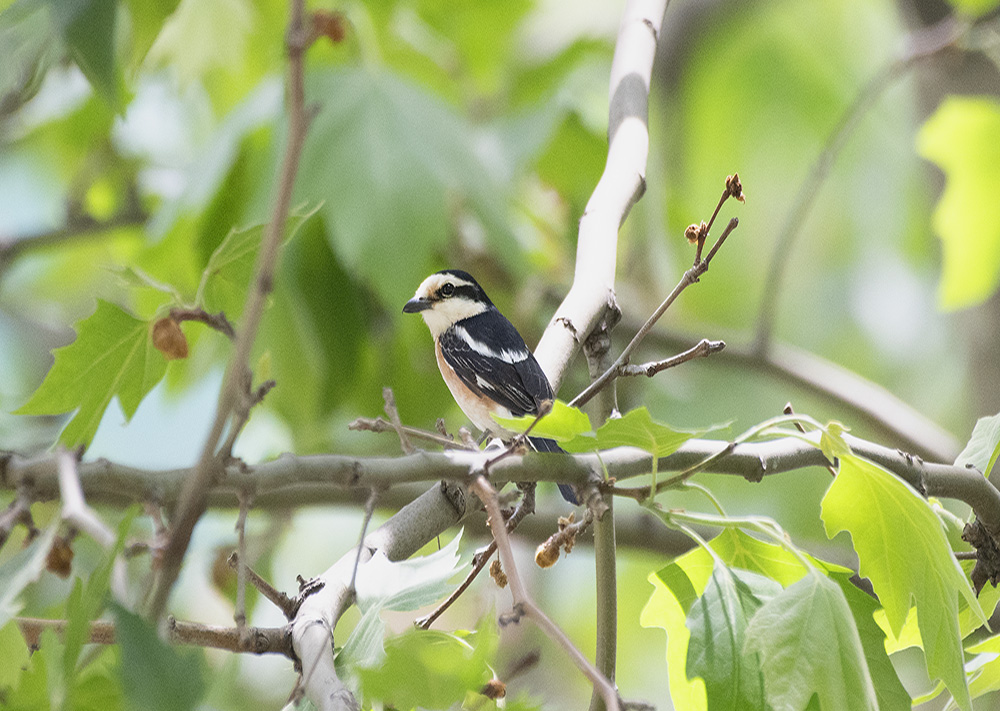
369 510
79 228
218 321
918 45
18 512
523 604
74 507
690 277
702 349
259 640
283 602
397 425
192 502
481 558
240 613
378 424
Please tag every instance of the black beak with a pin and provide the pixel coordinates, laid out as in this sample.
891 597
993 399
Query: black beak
416 305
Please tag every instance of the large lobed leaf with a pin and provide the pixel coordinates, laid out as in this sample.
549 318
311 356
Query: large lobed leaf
112 356
395 166
808 644
961 138
704 614
718 624
903 550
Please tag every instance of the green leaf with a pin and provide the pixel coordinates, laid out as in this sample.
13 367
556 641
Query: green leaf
156 676
199 37
983 447
974 8
112 355
668 608
904 552
832 442
637 429
425 669
987 677
402 585
32 691
718 625
961 138
892 696
87 601
21 570
14 653
147 18
226 278
741 550
395 166
808 644
562 424
88 27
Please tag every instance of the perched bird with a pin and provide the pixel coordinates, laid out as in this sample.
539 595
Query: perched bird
483 359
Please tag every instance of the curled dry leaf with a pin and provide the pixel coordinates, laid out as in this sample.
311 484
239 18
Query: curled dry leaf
169 339
60 557
494 689
496 572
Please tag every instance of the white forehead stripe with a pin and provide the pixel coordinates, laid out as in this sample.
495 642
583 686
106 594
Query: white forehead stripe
431 284
483 349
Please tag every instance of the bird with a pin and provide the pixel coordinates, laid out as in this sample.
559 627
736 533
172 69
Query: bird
482 357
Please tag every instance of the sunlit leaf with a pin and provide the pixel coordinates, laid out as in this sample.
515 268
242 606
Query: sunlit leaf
562 424
974 8
199 37
808 644
961 138
638 429
112 356
903 550
981 451
832 442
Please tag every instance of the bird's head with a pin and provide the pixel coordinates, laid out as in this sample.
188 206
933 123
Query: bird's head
447 297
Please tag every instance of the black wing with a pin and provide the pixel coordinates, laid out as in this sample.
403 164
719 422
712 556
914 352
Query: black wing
490 357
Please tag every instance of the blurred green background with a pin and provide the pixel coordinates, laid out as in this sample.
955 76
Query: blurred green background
470 135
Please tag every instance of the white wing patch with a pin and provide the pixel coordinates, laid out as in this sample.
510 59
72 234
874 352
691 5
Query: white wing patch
482 349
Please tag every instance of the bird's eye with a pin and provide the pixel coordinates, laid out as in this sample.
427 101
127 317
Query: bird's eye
448 289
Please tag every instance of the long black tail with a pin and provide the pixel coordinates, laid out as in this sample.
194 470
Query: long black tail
549 445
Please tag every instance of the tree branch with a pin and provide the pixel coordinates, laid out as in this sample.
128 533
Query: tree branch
320 478
193 497
691 276
873 405
918 45
621 185
523 603
258 640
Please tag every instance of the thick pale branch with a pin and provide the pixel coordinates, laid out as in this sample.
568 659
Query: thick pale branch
621 185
